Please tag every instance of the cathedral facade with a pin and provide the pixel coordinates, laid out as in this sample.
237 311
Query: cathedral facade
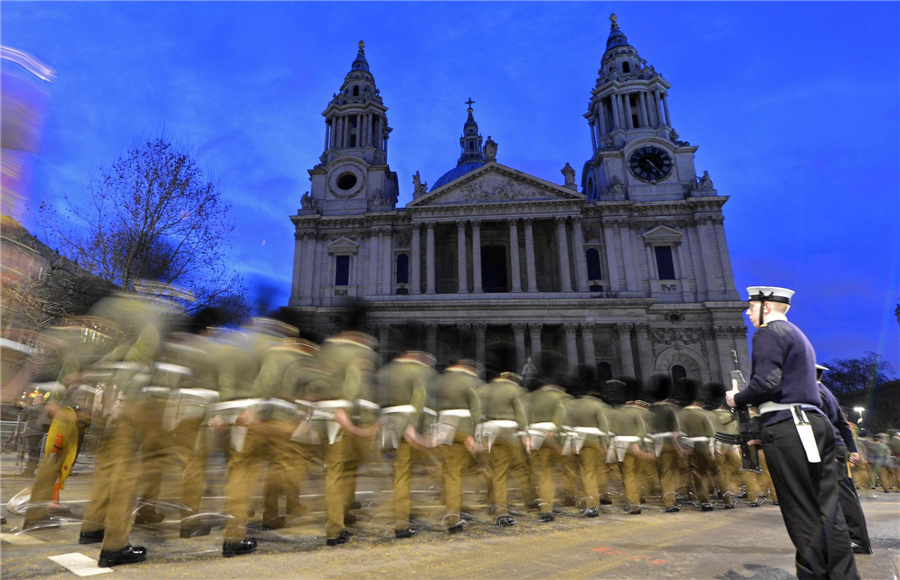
627 270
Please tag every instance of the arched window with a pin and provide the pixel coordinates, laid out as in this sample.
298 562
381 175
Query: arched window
604 371
590 188
678 373
593 264
356 91
402 269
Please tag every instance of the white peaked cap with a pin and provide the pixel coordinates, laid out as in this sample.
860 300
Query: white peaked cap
770 294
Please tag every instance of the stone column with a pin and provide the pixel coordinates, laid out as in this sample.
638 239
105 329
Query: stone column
587 344
624 331
535 331
571 345
581 282
628 113
727 273
480 330
415 261
645 352
327 134
299 262
645 119
617 119
593 135
712 356
707 238
384 333
309 257
318 265
461 257
631 267
529 256
612 257
514 255
431 339
374 237
665 102
657 102
601 116
429 258
562 242
724 342
369 128
345 125
388 267
519 334
476 257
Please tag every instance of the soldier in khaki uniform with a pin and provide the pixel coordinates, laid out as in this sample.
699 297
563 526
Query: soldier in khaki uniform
546 414
404 387
504 415
666 447
629 425
347 361
459 413
700 435
728 457
587 431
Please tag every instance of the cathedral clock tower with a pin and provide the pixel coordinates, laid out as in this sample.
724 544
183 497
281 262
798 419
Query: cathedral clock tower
353 176
636 153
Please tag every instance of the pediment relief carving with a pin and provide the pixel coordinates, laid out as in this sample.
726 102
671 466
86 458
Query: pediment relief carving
495 185
342 245
662 234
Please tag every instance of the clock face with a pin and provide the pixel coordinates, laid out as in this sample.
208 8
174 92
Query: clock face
650 163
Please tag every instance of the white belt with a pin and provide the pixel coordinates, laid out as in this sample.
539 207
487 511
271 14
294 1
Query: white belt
229 410
461 413
187 404
160 391
543 426
625 439
170 368
279 403
698 439
589 431
502 423
368 405
622 443
770 407
332 405
398 409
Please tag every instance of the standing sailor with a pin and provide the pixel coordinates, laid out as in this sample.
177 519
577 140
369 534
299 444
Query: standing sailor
797 438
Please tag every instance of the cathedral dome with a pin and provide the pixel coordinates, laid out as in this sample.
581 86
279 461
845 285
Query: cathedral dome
456 173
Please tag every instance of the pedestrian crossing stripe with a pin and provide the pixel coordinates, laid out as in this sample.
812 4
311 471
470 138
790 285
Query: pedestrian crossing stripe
79 564
21 539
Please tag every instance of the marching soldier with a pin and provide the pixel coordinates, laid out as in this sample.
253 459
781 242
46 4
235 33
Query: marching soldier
404 382
797 439
700 436
546 413
459 413
728 457
630 428
666 446
587 429
504 416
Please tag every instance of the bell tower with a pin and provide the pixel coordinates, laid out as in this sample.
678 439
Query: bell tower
636 152
353 175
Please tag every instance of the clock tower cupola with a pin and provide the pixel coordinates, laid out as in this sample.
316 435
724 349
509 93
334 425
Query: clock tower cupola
636 152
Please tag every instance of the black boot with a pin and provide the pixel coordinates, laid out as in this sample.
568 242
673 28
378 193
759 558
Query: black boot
548 517
91 537
195 531
506 521
148 515
591 512
341 539
127 555
407 533
245 546
456 528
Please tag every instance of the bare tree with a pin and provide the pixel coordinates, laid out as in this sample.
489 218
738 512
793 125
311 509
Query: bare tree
152 215
854 375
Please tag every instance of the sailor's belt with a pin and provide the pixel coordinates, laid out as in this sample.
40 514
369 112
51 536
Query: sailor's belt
460 413
398 409
770 407
543 426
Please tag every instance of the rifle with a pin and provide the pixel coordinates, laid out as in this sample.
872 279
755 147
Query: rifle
749 426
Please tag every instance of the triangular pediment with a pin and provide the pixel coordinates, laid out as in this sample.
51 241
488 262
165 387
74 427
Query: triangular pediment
343 245
495 183
662 235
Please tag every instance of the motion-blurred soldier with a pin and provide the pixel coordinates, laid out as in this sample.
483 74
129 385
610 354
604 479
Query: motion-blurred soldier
700 436
630 428
728 457
107 518
347 360
504 416
404 385
664 433
546 413
459 413
587 430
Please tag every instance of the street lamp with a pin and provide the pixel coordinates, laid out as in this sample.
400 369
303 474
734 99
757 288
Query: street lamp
859 410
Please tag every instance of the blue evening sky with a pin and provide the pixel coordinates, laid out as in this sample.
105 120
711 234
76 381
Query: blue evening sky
795 108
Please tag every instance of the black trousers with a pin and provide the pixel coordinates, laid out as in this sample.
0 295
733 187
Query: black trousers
808 494
853 514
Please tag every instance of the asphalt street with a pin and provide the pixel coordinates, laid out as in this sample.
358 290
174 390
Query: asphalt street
743 543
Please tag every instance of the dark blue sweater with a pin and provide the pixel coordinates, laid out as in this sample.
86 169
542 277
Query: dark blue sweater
842 434
783 370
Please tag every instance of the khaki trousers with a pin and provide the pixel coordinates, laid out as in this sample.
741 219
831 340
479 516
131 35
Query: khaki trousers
454 459
48 473
403 460
545 460
700 464
590 458
728 465
240 484
156 445
669 463
112 488
356 450
191 450
281 480
632 478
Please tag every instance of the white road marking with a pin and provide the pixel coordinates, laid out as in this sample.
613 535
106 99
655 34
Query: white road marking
21 539
79 564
